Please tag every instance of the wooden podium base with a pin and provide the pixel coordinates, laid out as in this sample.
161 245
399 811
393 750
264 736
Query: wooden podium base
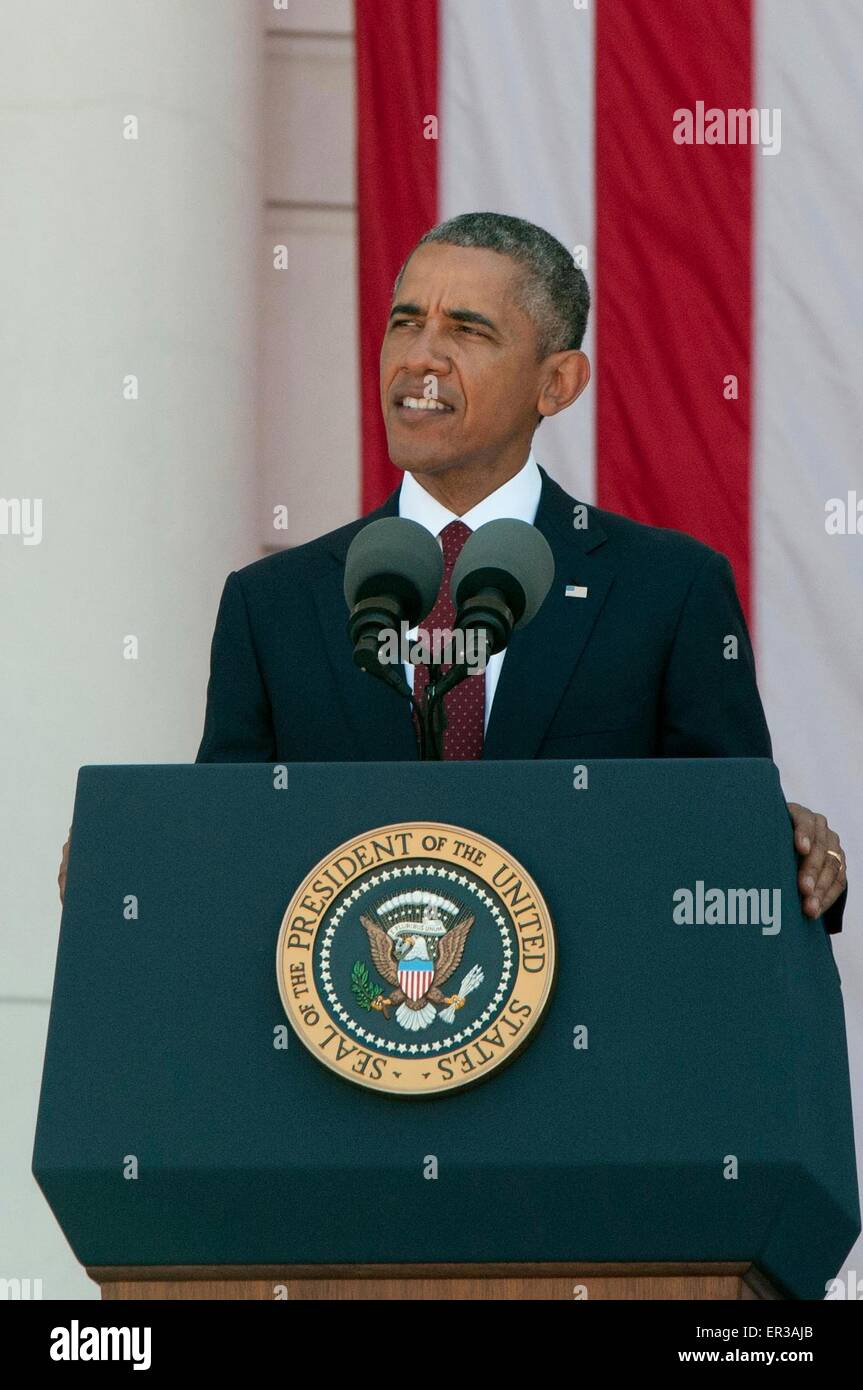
434 1282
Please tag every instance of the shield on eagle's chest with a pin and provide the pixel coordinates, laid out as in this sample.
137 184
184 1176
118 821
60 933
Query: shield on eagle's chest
415 977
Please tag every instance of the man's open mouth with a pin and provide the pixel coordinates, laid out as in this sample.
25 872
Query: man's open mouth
423 405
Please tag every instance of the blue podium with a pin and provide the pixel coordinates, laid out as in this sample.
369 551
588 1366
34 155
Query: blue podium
680 1116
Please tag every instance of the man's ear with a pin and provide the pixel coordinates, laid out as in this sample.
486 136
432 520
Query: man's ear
565 375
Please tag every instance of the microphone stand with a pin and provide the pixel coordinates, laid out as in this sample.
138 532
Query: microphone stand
494 621
429 711
434 710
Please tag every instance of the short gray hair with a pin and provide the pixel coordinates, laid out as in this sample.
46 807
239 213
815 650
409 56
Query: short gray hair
553 291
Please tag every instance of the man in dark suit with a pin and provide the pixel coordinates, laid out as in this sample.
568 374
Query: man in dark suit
640 648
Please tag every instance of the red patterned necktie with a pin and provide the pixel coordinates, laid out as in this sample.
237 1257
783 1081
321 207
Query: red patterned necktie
465 704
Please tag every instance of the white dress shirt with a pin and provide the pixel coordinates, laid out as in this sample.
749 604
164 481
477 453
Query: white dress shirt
518 498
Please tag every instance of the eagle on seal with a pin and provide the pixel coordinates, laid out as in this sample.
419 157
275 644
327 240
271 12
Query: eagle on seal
416 1013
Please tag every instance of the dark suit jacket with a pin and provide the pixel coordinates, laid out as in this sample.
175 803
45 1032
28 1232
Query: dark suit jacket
636 669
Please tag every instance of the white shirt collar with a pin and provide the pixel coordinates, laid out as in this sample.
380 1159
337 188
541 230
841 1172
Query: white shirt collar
519 498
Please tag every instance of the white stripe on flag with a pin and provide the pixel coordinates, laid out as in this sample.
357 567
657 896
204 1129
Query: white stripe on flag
808 354
505 149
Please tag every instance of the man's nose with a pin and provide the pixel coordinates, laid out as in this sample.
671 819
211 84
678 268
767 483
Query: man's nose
425 352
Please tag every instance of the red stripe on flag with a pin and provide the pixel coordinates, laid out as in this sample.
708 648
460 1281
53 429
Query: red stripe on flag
674 239
397 58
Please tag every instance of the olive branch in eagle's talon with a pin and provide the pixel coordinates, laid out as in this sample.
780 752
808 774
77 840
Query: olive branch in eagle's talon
364 991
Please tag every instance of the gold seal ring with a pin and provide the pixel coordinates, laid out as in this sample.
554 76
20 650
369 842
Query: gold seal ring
372 936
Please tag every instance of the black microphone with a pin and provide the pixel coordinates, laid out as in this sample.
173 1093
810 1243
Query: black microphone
393 572
500 580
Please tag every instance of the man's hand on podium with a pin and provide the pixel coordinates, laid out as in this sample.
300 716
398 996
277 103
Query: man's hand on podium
821 875
64 865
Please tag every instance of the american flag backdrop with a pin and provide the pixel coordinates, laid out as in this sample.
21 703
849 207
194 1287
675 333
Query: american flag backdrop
726 334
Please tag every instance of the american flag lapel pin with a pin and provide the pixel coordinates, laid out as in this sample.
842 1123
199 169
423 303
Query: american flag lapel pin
576 591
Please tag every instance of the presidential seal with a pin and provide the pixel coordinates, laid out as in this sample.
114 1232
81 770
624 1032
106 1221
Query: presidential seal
416 959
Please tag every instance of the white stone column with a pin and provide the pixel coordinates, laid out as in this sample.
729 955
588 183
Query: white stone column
129 217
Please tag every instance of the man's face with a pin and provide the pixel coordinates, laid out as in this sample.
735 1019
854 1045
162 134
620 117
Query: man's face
455 321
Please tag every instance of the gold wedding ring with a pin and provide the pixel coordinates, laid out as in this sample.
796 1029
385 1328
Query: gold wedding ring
837 857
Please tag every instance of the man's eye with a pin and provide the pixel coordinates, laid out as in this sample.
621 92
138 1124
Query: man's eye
466 328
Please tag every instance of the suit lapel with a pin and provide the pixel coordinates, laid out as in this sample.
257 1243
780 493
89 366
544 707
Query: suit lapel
541 660
378 720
